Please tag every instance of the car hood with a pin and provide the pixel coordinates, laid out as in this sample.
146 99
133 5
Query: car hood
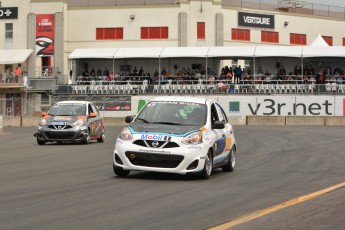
140 127
66 119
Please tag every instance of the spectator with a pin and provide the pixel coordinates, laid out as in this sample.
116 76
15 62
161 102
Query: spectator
17 74
106 72
238 74
99 72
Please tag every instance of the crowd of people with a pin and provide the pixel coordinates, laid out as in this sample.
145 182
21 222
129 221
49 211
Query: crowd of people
233 75
12 76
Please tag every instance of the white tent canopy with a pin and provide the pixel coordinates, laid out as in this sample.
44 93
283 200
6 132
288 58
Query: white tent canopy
231 51
328 51
142 52
181 52
106 53
278 51
14 56
319 41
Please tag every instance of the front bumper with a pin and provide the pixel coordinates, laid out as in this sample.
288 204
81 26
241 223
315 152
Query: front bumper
71 134
183 159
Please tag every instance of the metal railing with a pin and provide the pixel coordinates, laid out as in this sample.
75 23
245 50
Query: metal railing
303 8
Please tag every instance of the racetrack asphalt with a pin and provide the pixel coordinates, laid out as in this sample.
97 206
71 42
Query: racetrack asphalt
72 186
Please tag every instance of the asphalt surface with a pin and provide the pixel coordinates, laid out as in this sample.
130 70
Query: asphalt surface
72 186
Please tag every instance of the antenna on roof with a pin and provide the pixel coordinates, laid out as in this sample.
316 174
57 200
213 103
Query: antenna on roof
291 3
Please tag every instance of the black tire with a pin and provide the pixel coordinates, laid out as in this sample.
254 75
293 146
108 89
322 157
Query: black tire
86 139
120 171
207 171
230 167
40 141
102 138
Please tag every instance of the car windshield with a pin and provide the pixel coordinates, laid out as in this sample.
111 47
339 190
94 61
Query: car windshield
173 113
67 110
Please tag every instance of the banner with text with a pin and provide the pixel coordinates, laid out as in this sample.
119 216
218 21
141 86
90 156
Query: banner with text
44 34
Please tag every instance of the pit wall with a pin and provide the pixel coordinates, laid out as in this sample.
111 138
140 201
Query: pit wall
241 110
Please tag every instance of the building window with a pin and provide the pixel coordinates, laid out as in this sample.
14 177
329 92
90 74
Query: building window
154 33
8 35
343 41
201 30
109 33
240 34
298 39
328 40
269 36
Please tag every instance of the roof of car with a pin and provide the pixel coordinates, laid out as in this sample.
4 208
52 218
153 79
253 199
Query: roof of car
182 98
73 102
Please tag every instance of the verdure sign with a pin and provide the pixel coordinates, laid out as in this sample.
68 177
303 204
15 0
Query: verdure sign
256 20
8 12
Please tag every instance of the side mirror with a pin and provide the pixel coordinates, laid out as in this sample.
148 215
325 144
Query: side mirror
129 119
93 115
44 114
218 125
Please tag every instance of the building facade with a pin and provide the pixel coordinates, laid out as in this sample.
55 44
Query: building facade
53 29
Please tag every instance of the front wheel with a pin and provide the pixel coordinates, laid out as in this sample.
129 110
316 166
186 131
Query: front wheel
206 172
120 171
86 139
40 141
230 167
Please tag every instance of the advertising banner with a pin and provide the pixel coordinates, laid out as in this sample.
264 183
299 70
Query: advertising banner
8 12
104 103
44 34
256 20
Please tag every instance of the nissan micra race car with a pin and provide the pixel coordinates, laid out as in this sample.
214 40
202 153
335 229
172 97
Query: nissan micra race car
176 135
71 121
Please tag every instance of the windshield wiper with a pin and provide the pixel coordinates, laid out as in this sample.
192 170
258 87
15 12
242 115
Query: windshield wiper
166 123
142 119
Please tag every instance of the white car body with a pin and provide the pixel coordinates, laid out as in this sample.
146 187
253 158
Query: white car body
171 148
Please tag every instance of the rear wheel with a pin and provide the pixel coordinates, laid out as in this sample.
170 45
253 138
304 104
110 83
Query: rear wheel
120 171
102 138
230 167
206 172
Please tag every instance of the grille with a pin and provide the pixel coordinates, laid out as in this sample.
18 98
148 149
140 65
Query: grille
154 160
160 144
59 135
60 126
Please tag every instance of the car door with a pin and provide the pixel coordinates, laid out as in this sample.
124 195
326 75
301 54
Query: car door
222 135
95 123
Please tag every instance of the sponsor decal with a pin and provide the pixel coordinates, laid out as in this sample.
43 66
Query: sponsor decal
153 151
155 137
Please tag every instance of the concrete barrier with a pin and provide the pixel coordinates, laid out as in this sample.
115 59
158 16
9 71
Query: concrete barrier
335 120
114 121
31 121
1 120
9 121
265 120
305 120
238 120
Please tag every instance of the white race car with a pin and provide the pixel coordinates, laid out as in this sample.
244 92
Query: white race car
176 135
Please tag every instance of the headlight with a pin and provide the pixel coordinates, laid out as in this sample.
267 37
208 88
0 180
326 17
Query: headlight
125 134
79 122
193 138
43 122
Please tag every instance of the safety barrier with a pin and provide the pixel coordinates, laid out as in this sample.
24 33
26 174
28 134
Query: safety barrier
10 121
